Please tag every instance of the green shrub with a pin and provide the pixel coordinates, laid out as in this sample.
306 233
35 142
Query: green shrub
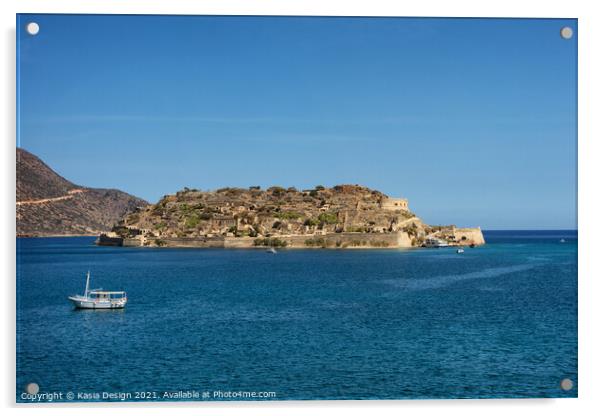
319 242
356 229
412 230
205 216
312 222
328 218
277 190
288 215
315 242
192 221
184 207
379 243
269 242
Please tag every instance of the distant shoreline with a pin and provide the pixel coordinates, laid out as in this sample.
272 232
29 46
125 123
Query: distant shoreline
534 230
56 235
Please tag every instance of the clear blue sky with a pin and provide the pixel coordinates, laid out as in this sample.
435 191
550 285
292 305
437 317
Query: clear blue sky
473 120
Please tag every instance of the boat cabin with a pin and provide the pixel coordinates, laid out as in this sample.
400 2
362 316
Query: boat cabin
101 295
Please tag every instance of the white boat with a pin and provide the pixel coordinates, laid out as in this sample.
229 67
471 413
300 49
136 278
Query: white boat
435 242
271 250
98 298
460 250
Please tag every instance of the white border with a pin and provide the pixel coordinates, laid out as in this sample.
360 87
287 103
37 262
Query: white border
590 276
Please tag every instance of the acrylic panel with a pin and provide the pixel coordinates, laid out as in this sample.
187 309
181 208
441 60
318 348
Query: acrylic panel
295 208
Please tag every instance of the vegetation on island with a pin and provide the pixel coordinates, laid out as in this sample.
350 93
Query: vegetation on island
344 216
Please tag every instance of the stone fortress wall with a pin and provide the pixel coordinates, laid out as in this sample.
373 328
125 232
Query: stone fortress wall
399 239
330 240
473 235
393 204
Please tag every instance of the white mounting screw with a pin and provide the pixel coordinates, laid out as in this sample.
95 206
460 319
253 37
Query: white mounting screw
566 32
32 28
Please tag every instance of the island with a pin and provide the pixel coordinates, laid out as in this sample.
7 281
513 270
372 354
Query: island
344 216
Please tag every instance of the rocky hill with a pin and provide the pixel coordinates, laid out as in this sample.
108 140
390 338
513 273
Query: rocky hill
342 216
48 204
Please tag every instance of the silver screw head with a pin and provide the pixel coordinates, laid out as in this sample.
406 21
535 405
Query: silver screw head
566 384
566 32
32 28
32 388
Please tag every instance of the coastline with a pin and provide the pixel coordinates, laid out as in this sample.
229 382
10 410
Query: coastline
56 235
463 237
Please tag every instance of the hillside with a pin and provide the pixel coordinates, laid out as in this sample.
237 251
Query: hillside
48 204
341 216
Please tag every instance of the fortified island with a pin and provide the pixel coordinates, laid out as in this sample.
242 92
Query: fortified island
344 216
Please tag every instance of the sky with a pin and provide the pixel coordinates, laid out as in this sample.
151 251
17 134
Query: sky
472 120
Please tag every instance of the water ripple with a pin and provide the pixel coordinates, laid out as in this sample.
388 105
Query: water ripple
446 280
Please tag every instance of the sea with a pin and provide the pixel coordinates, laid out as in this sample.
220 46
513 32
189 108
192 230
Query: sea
497 321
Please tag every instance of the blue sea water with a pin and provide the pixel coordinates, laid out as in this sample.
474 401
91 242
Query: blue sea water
496 321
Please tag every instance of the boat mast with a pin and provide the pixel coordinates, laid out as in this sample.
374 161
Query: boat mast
87 284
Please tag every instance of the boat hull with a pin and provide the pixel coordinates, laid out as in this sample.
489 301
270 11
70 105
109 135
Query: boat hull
90 304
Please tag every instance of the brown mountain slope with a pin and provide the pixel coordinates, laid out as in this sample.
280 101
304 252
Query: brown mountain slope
35 179
48 204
